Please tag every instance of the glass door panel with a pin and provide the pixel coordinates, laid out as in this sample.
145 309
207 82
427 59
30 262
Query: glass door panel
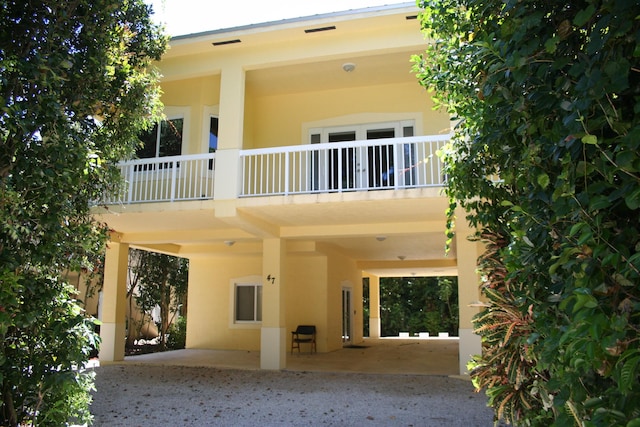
380 160
366 167
343 164
346 317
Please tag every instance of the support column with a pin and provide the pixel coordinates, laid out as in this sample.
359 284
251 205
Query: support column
468 291
374 306
114 302
273 338
230 133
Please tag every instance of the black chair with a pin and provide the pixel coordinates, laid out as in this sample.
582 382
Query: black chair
304 334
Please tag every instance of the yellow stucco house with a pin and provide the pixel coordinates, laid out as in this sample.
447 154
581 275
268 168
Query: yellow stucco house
298 157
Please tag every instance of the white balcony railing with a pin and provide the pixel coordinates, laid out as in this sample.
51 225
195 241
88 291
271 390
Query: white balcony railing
166 179
379 164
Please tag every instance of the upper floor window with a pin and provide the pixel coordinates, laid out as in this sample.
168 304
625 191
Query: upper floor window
164 139
213 134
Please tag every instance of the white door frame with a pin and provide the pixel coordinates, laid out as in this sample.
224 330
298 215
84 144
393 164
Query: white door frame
361 162
347 315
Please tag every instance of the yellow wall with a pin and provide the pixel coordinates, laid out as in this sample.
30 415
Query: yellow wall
306 302
194 94
278 120
314 296
208 320
342 272
198 91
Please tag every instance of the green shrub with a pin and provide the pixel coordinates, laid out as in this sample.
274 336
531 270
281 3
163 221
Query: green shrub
545 160
177 335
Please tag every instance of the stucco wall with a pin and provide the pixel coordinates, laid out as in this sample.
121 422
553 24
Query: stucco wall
282 120
210 288
193 94
314 296
342 272
279 120
306 300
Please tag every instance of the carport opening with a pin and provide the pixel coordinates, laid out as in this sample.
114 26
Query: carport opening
415 306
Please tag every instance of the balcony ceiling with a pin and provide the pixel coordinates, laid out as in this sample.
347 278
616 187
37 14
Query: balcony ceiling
390 68
354 224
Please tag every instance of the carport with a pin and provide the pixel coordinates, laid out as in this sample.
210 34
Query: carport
418 356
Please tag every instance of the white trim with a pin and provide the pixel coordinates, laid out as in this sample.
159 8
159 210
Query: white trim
208 111
242 281
346 285
184 113
361 175
363 119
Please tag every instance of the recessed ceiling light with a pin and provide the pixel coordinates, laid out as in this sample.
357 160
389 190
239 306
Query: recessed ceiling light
348 66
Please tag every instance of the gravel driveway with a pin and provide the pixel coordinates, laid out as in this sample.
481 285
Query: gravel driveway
154 395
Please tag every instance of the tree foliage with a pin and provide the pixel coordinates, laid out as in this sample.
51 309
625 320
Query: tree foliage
76 89
162 282
545 161
418 304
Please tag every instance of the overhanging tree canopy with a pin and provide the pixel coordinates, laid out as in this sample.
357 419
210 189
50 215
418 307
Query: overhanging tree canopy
546 162
77 88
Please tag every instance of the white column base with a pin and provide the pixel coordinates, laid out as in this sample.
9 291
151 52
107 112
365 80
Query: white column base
470 344
112 342
273 353
374 327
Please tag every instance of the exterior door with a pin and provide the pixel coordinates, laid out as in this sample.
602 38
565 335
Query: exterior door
347 320
365 167
344 163
380 159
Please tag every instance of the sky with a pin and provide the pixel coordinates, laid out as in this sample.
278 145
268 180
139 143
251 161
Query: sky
193 16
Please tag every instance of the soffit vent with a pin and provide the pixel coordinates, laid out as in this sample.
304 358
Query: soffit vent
410 17
222 43
319 29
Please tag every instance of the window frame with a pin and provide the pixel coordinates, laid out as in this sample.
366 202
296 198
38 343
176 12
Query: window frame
172 113
249 281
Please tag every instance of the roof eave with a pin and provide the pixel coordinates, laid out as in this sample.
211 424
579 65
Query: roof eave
391 8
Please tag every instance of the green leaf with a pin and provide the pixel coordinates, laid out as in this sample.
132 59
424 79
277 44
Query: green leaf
633 199
598 202
629 373
543 180
551 45
622 281
583 16
634 422
590 139
576 228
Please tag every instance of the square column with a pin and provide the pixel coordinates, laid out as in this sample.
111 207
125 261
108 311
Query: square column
468 291
230 133
114 302
273 338
374 306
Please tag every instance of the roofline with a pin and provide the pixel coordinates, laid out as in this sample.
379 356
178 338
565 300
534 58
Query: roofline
371 9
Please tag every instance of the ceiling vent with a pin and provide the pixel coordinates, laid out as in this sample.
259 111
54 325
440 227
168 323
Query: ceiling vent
317 30
227 42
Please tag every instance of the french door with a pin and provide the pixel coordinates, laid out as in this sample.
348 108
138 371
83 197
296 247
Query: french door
370 166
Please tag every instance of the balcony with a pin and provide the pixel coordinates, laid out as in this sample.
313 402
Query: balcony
379 164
